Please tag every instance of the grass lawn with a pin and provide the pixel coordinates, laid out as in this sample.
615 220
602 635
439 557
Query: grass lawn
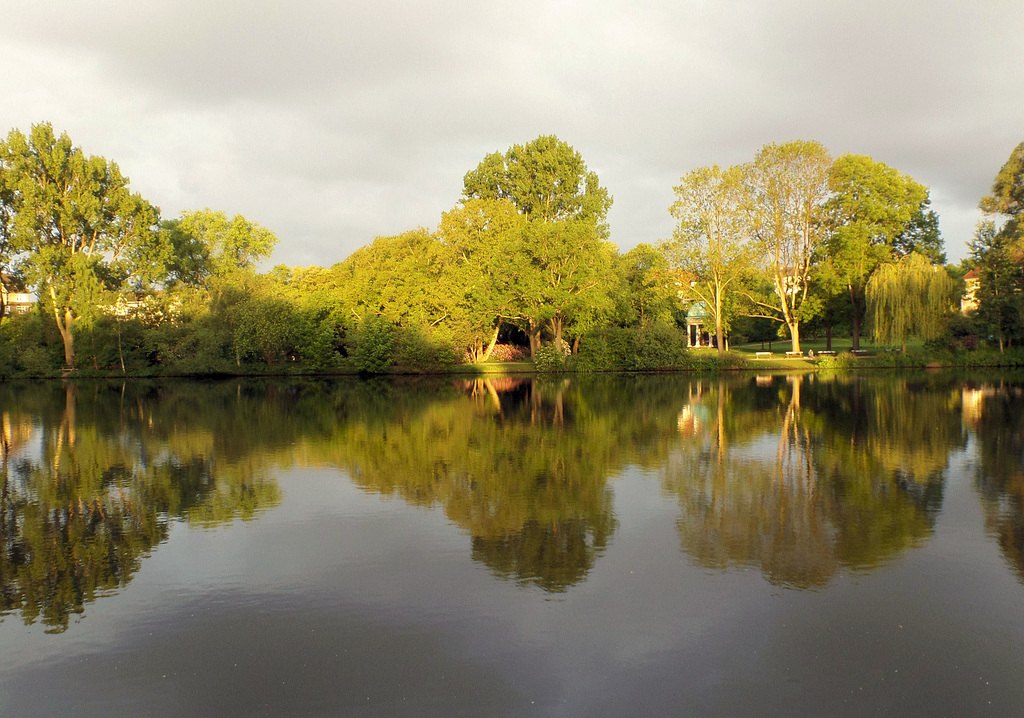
839 344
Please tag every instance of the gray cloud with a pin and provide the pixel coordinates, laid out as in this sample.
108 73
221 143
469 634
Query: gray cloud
332 123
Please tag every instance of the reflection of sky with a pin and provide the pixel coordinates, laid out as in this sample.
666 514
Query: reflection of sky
345 602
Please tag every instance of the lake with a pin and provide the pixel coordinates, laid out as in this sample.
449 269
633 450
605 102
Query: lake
769 545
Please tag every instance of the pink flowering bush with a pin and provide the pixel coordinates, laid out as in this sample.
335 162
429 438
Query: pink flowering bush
508 352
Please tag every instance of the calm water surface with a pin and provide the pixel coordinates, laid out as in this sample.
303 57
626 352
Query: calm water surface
756 545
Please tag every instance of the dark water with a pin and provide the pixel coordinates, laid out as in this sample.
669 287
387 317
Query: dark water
586 547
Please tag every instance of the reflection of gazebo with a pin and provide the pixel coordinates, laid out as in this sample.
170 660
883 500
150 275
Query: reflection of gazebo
697 314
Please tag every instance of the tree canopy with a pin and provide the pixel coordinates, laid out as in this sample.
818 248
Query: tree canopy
872 208
545 179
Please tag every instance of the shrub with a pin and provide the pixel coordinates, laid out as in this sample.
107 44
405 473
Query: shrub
896 359
652 348
508 352
374 343
839 361
417 351
549 359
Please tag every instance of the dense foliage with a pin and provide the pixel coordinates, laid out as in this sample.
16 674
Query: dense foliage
522 265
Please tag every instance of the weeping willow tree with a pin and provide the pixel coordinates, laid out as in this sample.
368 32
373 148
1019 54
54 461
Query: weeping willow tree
911 297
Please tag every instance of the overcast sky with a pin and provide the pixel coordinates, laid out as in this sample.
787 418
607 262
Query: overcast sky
333 122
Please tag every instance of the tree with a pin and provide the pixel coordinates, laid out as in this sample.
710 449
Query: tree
911 297
78 226
399 278
922 235
565 259
709 246
481 239
562 276
7 214
1007 199
875 214
206 243
787 188
546 179
1000 284
647 290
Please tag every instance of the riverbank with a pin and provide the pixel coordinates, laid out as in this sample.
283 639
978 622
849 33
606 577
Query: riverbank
748 358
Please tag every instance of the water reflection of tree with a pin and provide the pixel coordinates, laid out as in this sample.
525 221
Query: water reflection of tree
512 463
522 466
996 413
79 511
801 476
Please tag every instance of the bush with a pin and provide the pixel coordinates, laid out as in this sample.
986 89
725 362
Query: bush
374 343
658 347
549 359
839 361
416 351
508 352
31 345
897 359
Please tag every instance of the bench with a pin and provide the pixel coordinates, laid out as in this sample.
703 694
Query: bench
762 355
794 355
859 352
827 353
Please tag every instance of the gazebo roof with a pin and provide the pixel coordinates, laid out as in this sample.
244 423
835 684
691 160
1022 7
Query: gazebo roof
698 310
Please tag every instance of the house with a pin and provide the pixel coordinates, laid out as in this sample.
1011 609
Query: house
15 301
972 283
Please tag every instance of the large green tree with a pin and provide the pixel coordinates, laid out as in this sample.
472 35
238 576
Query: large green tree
78 227
572 272
872 208
709 246
563 269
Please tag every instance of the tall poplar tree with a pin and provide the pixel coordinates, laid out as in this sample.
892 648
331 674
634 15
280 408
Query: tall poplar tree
709 246
786 191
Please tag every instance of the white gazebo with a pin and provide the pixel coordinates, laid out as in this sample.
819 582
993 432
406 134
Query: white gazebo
696 315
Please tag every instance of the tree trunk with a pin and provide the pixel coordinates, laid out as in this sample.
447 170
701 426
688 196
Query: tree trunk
794 333
494 340
857 319
828 337
534 339
556 329
719 335
64 327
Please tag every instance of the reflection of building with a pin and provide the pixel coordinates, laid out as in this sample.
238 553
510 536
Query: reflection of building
972 283
15 432
972 401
